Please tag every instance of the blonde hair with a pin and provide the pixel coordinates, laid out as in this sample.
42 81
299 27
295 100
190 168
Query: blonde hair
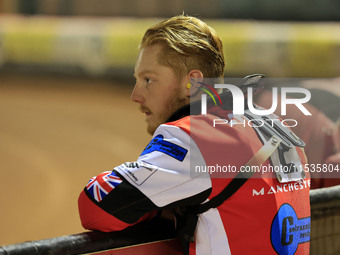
188 44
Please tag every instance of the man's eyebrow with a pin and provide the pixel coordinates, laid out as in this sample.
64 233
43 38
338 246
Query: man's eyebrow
144 73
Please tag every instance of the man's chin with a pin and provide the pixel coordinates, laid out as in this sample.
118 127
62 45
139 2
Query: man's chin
154 123
150 130
152 127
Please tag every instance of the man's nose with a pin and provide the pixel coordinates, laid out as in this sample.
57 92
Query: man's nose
136 95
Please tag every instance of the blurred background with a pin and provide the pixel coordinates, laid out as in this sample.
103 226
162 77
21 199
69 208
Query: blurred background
66 74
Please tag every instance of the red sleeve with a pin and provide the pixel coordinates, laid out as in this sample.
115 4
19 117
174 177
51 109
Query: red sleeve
94 218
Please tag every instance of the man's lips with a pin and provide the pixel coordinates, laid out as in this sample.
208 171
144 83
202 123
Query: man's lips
145 110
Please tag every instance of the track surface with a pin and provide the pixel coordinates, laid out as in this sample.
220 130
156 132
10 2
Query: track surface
55 134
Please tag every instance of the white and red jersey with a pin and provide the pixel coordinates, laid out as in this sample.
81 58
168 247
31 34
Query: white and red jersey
264 216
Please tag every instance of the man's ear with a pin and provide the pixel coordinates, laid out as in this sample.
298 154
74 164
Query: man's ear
194 76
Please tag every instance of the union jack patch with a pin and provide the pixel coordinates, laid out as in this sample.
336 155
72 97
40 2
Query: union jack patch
101 185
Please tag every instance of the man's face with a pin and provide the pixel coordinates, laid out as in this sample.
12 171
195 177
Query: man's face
158 90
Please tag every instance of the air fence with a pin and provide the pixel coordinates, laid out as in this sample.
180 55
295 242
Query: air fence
158 236
109 46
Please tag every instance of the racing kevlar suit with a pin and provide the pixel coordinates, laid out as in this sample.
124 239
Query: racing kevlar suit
191 160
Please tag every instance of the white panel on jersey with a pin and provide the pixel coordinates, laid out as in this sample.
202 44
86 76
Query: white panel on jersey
162 172
210 235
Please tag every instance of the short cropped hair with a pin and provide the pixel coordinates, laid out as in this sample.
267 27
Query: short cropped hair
188 44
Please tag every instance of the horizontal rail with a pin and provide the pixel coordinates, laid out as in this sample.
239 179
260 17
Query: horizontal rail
325 199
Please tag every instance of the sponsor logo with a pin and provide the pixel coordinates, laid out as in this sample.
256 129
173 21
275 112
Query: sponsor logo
138 172
159 144
288 231
287 187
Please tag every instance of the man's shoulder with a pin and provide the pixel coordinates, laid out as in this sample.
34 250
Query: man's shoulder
182 123
197 122
185 122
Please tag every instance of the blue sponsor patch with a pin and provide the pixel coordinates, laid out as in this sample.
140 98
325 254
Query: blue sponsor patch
287 231
171 149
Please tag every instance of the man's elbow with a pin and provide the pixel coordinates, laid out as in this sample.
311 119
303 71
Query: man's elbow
92 217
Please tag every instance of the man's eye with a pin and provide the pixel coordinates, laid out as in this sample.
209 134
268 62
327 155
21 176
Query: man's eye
148 80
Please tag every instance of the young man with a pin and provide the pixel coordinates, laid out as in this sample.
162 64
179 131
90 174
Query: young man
266 214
